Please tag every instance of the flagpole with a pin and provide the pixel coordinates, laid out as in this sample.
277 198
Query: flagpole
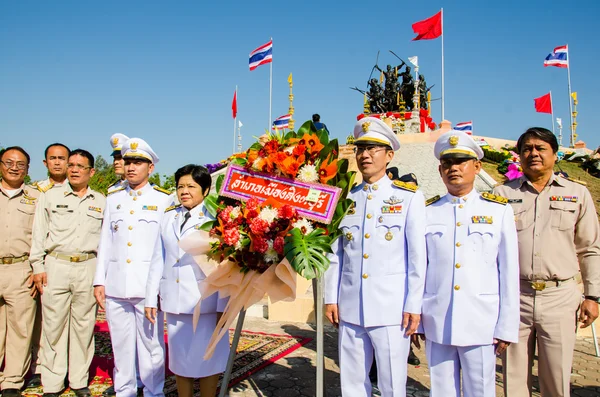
552 112
570 96
234 120
443 64
270 88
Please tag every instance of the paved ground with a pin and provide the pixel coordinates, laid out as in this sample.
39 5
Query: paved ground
294 375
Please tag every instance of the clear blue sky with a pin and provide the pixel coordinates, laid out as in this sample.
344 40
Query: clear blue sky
77 72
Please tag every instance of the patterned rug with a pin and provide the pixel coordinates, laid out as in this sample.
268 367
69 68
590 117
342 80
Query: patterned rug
255 351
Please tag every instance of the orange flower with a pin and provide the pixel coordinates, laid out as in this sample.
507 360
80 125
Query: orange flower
290 166
327 170
312 142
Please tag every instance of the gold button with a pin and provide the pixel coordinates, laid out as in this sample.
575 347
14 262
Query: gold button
177 260
366 256
457 287
367 235
129 244
375 187
128 260
460 206
369 197
135 198
130 228
380 219
366 187
139 193
369 216
458 223
457 265
454 200
365 275
177 280
131 212
458 244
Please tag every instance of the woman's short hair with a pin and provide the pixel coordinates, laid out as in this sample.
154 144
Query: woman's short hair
199 174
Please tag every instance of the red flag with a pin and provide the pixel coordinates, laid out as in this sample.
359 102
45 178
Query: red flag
428 29
543 104
234 104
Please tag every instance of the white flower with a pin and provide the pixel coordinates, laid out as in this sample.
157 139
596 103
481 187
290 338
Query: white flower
235 212
256 164
304 225
268 214
290 149
271 256
308 173
238 245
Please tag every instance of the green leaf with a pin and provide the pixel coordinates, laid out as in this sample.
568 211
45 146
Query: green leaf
341 210
219 183
256 146
211 204
239 161
306 254
307 128
206 226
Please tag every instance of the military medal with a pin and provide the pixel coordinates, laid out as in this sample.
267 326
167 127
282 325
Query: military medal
116 227
570 199
482 219
119 206
389 236
380 219
393 200
349 236
391 209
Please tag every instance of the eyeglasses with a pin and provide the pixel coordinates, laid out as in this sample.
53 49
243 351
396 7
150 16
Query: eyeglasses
78 167
12 164
371 149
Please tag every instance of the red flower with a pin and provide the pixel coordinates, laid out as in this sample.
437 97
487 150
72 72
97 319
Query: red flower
231 236
259 226
299 150
225 215
252 203
260 245
271 147
287 212
278 245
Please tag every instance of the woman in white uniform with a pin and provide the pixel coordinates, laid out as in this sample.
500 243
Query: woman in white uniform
176 284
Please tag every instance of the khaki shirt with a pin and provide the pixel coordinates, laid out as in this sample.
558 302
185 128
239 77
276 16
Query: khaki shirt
16 221
558 231
65 223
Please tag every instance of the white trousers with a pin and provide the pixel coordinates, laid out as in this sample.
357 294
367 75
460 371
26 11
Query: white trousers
133 339
357 345
478 365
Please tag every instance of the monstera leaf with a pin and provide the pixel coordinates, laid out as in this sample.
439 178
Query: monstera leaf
306 253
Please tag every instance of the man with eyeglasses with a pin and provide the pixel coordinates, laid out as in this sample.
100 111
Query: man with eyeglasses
374 285
17 303
66 235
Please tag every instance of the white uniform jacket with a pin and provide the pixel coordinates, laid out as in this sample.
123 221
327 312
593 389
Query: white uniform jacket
472 281
377 269
175 276
129 234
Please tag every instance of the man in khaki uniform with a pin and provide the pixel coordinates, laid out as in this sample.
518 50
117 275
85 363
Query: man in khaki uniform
66 234
558 236
17 306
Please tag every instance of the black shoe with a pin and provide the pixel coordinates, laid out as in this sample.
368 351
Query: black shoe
83 392
413 359
34 381
110 392
11 393
140 392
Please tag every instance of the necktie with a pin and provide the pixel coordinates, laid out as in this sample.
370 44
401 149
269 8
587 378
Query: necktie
185 219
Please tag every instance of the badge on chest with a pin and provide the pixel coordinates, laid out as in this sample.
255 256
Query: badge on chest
150 208
487 220
569 199
391 209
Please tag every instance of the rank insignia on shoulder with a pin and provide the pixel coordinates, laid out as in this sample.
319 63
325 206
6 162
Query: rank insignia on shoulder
44 189
432 200
391 209
393 200
115 190
171 208
494 198
160 189
515 201
405 186
95 209
150 208
570 199
482 219
27 196
577 181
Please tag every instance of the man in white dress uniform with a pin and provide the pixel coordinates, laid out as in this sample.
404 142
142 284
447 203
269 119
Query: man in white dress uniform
131 226
374 285
471 301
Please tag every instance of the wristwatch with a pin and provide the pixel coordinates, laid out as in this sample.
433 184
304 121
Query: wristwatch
593 298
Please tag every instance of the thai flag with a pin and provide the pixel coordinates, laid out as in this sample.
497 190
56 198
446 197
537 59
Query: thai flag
262 55
282 122
467 127
559 57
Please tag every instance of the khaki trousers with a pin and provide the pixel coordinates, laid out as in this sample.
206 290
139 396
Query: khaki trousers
68 319
36 342
549 318
17 308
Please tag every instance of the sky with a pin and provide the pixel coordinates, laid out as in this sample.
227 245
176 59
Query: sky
77 72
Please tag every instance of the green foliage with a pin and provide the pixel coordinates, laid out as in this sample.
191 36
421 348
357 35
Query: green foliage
27 180
306 253
104 177
495 156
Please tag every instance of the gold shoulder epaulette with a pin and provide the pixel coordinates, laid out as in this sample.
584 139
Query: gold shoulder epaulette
160 189
405 186
44 189
171 208
114 191
432 200
496 199
26 194
577 181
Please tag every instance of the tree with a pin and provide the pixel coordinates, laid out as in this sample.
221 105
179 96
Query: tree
104 177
